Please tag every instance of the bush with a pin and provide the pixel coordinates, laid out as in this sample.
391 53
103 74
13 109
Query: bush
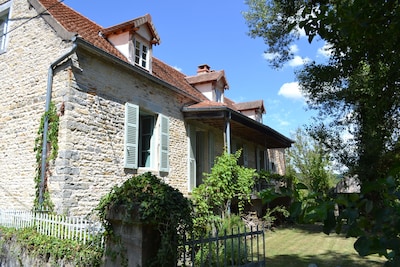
155 203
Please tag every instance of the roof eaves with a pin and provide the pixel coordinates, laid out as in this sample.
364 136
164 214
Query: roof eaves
91 47
55 24
135 23
239 117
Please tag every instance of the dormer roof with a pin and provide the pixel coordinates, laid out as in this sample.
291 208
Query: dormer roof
251 105
133 25
205 75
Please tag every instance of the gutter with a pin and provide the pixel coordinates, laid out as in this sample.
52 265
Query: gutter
232 115
50 75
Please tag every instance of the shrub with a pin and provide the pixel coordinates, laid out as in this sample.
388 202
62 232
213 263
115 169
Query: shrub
155 203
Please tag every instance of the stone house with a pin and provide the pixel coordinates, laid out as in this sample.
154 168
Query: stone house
121 111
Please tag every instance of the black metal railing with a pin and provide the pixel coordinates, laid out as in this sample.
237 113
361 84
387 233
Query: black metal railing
237 247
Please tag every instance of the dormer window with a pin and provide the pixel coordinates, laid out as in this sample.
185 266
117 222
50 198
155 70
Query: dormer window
134 39
141 54
218 95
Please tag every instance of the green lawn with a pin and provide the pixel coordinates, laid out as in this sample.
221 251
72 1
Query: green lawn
301 245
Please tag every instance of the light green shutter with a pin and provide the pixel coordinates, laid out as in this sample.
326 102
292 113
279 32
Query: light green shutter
211 152
245 155
164 143
131 136
192 157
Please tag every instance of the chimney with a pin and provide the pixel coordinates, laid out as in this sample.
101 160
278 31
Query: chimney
203 69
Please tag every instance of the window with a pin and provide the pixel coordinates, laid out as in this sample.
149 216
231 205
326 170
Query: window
141 54
142 141
4 21
201 155
262 160
218 95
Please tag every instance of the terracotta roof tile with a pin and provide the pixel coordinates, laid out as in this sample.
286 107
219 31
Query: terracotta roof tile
146 19
207 104
209 76
73 21
174 77
230 103
250 105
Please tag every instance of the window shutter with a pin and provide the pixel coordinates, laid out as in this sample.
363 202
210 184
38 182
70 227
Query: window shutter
245 155
131 136
211 152
164 143
192 157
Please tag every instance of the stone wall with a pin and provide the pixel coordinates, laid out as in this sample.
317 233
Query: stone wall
32 47
93 93
90 92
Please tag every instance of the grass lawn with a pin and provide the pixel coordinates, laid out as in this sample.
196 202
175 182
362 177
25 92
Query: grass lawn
299 246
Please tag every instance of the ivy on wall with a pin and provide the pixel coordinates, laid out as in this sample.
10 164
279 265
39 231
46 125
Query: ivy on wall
52 151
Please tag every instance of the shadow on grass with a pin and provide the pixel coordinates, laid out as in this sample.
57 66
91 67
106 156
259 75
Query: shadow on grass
330 259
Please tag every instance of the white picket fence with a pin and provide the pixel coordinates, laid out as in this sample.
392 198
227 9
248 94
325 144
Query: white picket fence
62 227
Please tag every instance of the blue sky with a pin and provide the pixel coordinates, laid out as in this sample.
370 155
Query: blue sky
215 33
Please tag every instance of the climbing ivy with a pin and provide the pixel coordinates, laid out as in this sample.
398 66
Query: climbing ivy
155 203
52 150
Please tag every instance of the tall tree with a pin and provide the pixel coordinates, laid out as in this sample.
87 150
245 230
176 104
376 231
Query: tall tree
358 90
310 163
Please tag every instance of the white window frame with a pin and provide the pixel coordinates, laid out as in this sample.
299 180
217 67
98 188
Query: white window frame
159 140
5 11
141 57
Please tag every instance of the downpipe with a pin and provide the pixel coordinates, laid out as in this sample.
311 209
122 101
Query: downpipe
49 91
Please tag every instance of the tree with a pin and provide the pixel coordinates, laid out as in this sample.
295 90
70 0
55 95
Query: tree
357 90
310 163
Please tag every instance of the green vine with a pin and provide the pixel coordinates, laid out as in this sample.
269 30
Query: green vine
226 182
147 199
52 150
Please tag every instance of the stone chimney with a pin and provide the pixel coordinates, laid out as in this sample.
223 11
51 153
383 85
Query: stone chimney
204 68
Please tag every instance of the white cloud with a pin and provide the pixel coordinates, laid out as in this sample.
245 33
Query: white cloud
298 61
270 56
291 90
177 68
325 51
294 49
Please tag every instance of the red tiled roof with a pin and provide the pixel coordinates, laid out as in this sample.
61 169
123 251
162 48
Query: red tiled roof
146 19
250 105
208 76
73 21
174 77
206 104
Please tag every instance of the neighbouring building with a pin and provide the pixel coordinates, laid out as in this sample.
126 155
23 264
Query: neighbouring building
121 111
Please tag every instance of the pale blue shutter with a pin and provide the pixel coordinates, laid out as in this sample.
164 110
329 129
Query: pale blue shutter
192 157
131 136
211 152
164 143
245 155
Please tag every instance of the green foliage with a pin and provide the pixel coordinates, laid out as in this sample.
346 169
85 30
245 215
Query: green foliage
355 92
53 249
310 163
155 203
232 251
52 140
270 215
226 181
278 186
